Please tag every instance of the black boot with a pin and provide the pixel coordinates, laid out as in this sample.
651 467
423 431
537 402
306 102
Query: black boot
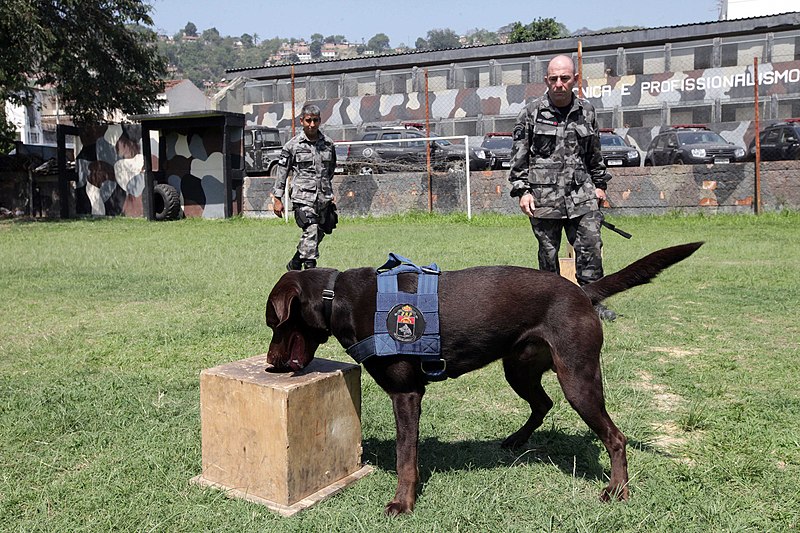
309 263
605 313
295 263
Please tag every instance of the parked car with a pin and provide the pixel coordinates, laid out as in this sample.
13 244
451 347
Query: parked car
691 144
499 145
616 150
262 147
407 151
779 141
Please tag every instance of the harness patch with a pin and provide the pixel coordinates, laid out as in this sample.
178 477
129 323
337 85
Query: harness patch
405 323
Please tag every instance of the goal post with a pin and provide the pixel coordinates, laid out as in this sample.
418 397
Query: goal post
404 154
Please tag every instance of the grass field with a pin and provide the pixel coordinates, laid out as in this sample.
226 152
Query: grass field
106 324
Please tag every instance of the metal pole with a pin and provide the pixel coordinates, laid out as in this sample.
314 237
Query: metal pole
757 193
293 117
580 69
428 144
466 167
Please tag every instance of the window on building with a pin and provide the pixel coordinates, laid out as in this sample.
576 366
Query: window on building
737 112
703 56
730 55
323 88
636 118
786 47
634 63
605 119
514 72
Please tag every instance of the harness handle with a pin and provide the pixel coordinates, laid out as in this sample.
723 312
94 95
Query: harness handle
396 260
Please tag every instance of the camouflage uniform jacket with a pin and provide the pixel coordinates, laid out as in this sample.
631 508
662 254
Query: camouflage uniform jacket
312 164
558 160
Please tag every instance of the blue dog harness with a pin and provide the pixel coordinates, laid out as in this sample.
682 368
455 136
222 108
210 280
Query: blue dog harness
406 323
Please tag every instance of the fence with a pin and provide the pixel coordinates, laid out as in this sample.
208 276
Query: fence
632 191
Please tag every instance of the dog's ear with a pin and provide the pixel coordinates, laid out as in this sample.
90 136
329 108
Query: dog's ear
279 304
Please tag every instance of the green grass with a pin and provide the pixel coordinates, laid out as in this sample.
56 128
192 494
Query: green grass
106 324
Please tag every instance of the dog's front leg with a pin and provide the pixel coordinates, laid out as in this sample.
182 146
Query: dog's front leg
407 409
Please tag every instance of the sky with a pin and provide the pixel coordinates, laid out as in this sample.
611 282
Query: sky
403 21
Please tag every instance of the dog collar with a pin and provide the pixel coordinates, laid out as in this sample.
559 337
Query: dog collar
327 299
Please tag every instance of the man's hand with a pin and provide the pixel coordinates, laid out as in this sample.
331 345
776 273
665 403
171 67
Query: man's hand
277 207
601 194
526 204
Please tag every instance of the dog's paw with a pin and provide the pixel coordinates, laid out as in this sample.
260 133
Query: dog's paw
515 441
395 507
614 493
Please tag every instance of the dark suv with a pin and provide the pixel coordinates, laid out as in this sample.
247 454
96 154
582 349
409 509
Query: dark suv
499 145
405 151
262 147
691 144
778 141
616 151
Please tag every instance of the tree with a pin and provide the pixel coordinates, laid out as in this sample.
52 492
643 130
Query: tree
93 53
442 39
315 47
538 30
379 43
211 36
481 36
190 29
420 44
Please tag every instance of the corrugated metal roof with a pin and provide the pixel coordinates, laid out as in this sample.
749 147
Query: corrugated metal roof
737 26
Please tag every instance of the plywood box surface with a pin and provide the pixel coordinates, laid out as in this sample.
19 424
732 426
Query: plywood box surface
280 437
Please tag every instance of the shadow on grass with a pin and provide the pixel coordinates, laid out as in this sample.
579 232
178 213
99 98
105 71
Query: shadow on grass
572 454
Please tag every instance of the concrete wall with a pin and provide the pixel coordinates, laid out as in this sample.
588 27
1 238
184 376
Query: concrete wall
633 191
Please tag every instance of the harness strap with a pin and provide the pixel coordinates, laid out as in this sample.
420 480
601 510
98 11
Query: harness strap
327 299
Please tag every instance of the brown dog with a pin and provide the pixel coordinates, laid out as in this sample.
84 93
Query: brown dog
534 321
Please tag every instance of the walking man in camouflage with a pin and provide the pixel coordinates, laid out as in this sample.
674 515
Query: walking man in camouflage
311 159
558 176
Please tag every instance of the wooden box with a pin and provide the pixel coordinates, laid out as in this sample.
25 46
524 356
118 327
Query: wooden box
286 440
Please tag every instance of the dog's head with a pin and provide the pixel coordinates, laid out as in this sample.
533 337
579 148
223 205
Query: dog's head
295 315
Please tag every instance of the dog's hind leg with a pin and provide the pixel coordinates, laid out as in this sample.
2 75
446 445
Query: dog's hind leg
583 388
524 373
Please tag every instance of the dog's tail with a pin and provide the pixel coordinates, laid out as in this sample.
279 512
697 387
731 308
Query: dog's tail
638 272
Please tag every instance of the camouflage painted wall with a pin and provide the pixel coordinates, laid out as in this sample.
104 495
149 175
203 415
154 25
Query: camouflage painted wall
193 164
634 191
110 170
673 90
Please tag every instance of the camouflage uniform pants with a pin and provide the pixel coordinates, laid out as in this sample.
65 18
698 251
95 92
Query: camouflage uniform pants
308 219
583 233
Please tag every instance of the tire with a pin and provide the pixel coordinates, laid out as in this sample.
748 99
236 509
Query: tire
366 170
455 166
273 171
678 161
648 163
166 202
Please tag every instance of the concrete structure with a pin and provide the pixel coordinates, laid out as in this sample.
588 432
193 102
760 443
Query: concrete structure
633 191
637 79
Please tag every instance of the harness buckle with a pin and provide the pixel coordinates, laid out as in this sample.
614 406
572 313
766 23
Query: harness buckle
327 294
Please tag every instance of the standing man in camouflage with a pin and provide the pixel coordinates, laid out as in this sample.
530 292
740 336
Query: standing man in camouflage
558 176
311 159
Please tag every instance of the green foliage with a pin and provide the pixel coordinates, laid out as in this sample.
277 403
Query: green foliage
107 324
378 43
95 53
538 30
190 29
442 39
